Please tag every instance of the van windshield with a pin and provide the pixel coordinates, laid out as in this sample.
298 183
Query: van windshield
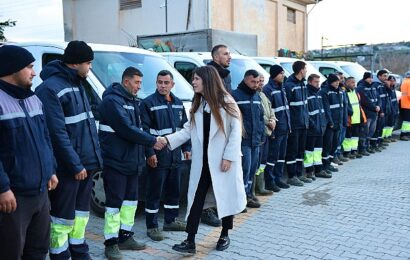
238 67
109 66
354 70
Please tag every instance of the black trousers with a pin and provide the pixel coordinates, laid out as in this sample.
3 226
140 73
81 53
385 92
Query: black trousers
195 213
330 142
25 233
295 152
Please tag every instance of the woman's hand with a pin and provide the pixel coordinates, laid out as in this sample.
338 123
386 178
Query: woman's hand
225 165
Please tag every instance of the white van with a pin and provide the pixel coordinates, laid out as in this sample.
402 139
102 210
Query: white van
349 69
186 62
108 65
287 63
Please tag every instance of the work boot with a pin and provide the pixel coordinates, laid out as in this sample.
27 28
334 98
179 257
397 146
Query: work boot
364 153
386 140
332 168
252 204
210 218
260 185
377 149
404 138
185 247
323 174
155 234
342 158
294 181
351 156
304 179
357 155
371 150
272 187
175 225
112 252
392 139
310 175
282 185
337 161
131 244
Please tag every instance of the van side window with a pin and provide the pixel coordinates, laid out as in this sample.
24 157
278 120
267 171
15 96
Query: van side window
48 57
93 99
266 66
185 69
327 70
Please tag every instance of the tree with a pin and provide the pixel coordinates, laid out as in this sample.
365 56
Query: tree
8 23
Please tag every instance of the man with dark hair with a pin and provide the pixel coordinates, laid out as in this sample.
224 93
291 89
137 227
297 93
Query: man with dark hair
75 142
122 143
332 97
249 102
277 143
317 126
385 108
163 113
355 119
370 101
296 93
26 161
221 59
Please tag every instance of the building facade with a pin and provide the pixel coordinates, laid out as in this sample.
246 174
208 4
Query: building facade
277 23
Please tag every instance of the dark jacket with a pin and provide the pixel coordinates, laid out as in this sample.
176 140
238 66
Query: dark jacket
296 94
385 99
121 137
317 117
280 106
26 157
369 98
347 108
159 118
225 75
393 100
250 104
69 119
333 105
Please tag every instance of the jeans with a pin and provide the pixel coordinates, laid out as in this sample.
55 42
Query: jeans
250 161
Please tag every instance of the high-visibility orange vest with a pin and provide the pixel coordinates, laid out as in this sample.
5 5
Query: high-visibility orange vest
405 94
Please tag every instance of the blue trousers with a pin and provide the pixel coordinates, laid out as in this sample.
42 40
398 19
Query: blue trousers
276 158
119 187
160 182
295 152
250 161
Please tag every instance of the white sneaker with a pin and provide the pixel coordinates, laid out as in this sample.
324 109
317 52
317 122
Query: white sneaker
334 164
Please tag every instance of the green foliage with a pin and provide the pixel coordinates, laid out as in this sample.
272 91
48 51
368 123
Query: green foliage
3 25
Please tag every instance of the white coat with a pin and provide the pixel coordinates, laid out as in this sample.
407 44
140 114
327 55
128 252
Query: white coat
228 187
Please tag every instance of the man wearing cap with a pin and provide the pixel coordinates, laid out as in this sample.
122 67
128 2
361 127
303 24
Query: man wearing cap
277 143
26 161
370 102
75 142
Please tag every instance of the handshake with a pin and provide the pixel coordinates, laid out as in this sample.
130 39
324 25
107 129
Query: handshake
161 143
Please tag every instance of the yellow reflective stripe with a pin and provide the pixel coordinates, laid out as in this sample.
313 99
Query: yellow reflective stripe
405 127
127 215
112 223
59 237
317 156
78 232
308 159
347 144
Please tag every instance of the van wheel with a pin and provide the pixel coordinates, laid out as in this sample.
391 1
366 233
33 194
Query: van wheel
98 195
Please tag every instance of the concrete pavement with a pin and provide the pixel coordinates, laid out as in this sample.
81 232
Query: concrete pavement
363 212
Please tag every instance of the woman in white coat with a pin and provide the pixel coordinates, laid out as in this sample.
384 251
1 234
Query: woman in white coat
215 130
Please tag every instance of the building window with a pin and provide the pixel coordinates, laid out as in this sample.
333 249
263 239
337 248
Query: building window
292 15
130 4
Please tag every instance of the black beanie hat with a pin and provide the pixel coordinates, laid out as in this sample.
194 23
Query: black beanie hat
275 70
332 78
367 75
77 52
13 59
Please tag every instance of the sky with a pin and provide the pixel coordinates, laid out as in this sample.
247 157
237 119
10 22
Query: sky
36 19
338 21
358 21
